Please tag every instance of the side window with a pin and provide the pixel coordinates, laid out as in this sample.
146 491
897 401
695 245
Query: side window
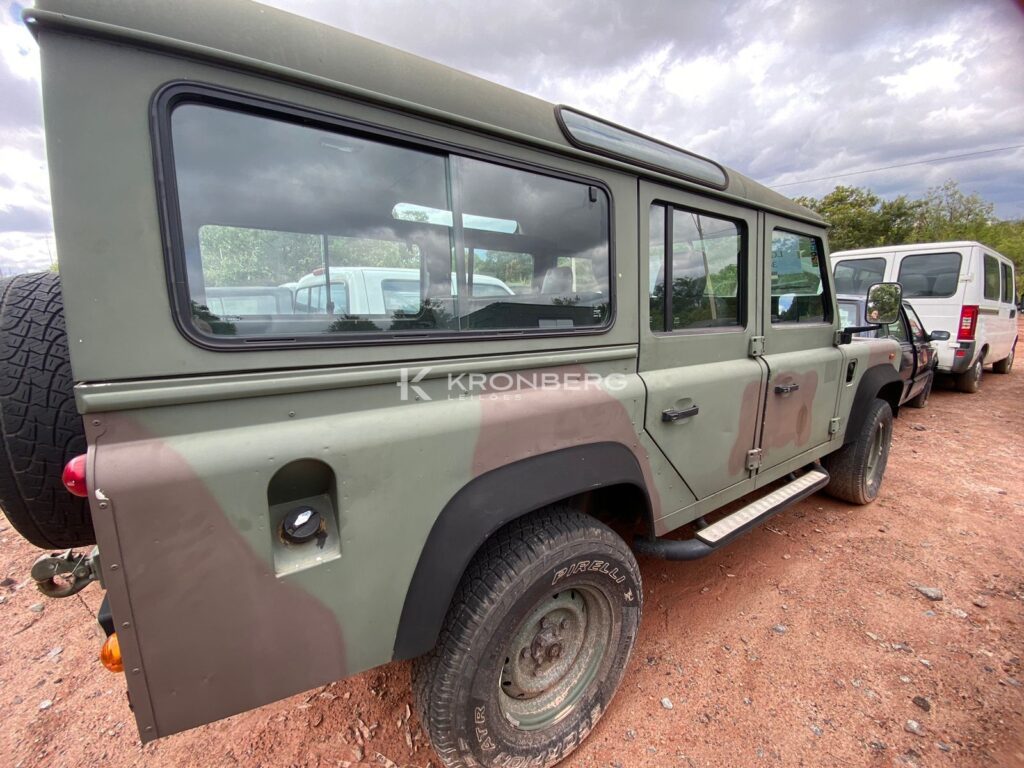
898 331
992 291
695 263
916 328
798 279
296 232
1008 284
930 275
855 276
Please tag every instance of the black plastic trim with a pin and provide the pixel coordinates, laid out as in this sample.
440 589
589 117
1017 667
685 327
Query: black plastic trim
870 385
105 617
171 94
571 138
489 502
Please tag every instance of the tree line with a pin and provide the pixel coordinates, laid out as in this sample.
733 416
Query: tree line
861 219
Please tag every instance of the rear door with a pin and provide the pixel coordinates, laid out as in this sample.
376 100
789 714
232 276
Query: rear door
799 327
698 316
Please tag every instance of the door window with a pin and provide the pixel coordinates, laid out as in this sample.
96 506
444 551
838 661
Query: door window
704 271
1008 284
916 327
991 278
798 279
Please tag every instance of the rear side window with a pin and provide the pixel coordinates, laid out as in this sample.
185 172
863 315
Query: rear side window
930 275
295 232
1008 286
798 279
700 258
855 276
992 291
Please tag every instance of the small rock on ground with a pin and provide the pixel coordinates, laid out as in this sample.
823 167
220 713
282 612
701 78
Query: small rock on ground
923 703
666 703
932 593
36 607
780 629
914 727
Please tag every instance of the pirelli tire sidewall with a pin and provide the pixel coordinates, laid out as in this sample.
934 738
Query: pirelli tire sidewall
40 427
491 738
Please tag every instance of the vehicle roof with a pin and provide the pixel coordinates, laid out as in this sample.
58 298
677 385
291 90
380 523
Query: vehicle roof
908 247
285 46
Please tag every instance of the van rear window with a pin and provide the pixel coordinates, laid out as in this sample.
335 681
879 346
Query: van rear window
930 275
855 276
302 233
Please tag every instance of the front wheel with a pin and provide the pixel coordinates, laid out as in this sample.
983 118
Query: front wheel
857 468
535 643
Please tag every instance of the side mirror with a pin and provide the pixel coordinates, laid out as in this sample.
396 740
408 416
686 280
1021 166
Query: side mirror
883 305
938 336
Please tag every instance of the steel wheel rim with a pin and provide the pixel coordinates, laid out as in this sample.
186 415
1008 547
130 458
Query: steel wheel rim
553 657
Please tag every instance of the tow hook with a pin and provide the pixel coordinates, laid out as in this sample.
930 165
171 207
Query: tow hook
63 574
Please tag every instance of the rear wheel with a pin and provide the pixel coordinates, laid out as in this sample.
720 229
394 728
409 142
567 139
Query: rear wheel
1006 364
970 380
857 468
535 643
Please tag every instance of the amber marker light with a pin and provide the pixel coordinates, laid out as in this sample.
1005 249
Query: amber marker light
110 654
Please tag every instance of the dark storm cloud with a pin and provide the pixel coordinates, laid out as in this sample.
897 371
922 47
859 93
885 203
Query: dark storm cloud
782 90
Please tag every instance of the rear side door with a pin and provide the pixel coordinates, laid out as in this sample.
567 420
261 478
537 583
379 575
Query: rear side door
697 320
798 317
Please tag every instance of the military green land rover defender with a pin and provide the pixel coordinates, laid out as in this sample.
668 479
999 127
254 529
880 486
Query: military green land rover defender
355 358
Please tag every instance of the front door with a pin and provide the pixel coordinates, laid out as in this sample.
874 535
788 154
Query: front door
698 297
799 329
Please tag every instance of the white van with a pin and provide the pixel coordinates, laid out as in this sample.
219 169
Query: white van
961 287
376 290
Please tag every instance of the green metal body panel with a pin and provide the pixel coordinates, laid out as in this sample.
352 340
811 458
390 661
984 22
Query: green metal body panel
192 451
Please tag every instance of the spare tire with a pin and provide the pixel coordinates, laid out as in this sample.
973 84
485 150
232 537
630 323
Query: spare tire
40 428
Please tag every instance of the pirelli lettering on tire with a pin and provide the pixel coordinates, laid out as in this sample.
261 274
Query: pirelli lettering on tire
591 566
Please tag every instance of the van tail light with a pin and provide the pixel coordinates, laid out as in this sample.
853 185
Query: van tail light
968 323
73 476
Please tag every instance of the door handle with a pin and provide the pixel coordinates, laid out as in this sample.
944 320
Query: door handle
785 389
671 414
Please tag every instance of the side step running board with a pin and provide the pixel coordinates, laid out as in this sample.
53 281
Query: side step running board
710 538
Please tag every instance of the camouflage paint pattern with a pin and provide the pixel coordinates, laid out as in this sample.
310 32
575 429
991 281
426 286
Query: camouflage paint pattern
185 442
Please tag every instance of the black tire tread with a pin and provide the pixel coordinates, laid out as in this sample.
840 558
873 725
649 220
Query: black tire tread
967 382
488 577
40 428
1005 365
848 465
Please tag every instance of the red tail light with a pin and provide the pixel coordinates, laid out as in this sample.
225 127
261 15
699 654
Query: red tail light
968 323
74 476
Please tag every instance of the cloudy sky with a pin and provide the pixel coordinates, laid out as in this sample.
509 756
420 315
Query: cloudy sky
786 91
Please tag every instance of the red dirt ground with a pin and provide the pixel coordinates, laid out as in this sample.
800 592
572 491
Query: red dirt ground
802 644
